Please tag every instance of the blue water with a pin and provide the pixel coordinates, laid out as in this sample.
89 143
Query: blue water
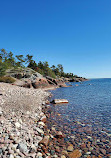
90 102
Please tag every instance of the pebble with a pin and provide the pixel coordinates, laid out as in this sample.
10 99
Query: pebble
88 153
1 111
45 140
11 156
40 130
62 156
39 154
1 151
17 124
41 123
22 147
70 148
75 154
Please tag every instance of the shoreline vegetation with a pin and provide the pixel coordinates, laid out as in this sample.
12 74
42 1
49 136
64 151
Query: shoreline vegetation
24 71
27 127
24 108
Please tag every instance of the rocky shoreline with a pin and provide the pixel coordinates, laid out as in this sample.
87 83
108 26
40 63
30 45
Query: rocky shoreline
28 128
73 138
76 139
28 78
21 121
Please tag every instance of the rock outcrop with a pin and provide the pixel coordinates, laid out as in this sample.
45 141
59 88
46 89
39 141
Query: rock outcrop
26 77
56 82
20 73
40 83
75 79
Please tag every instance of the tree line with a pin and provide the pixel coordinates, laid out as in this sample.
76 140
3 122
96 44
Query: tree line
7 61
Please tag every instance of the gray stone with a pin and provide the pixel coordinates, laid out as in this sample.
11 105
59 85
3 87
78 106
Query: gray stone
17 124
40 130
41 123
11 156
1 111
23 147
35 75
39 155
1 151
39 138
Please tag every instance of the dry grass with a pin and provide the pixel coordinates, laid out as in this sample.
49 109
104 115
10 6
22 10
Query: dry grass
7 79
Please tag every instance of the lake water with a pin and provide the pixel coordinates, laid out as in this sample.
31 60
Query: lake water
89 102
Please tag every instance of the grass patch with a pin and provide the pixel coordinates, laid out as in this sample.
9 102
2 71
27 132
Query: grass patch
7 79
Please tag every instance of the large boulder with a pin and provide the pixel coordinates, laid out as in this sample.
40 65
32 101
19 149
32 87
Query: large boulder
60 82
51 80
45 140
23 83
59 101
57 82
27 83
40 83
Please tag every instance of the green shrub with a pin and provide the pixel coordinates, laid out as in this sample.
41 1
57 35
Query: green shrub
40 71
3 68
7 79
50 73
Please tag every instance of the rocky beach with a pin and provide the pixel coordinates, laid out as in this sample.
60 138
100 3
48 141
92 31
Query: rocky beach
21 121
55 79
76 139
28 128
24 125
84 122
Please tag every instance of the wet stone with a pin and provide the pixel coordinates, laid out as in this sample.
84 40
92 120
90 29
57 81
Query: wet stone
70 148
52 152
75 154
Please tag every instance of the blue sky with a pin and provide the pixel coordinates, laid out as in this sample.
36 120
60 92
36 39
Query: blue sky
74 33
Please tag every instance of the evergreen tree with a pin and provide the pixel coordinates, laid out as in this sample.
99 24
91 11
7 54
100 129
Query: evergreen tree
60 68
53 68
21 60
40 65
10 60
28 59
32 65
3 54
3 68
